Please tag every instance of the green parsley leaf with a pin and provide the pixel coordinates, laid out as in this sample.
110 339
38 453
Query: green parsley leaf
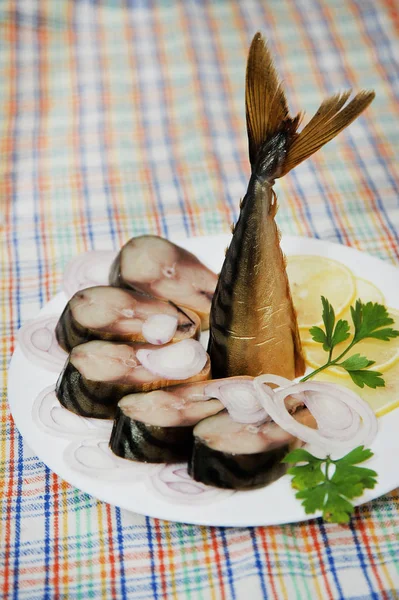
383 334
328 316
348 477
356 362
319 336
370 317
372 379
355 456
336 508
370 320
313 498
306 475
329 485
341 332
299 455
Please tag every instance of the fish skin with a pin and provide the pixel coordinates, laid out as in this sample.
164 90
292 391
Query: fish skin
253 325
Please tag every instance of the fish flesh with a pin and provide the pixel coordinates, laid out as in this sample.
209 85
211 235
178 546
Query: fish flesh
253 325
98 374
115 314
158 426
240 456
155 266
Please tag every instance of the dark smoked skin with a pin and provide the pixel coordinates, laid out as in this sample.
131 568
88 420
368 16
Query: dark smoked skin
95 399
236 471
70 333
141 442
244 471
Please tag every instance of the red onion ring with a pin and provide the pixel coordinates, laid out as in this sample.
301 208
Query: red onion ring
176 361
159 329
356 423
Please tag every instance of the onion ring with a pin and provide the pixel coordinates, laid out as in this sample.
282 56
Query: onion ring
240 398
176 361
356 424
159 329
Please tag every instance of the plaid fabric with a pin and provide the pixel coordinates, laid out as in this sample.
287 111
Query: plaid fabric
120 118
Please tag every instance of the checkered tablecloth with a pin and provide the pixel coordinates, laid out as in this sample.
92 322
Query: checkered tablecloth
122 118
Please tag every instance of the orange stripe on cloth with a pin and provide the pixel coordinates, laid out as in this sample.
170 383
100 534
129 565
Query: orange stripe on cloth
161 555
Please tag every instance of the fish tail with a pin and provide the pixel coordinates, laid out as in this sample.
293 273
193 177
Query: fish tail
275 145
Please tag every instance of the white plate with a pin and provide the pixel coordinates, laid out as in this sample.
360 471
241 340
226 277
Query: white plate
76 448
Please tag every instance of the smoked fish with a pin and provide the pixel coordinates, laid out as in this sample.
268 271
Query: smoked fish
253 326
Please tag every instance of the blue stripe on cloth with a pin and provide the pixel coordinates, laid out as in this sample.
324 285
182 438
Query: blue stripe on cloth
119 533
47 522
330 558
258 563
17 514
152 560
230 577
363 564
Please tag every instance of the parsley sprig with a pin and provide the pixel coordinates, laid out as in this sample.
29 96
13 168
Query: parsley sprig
329 485
370 320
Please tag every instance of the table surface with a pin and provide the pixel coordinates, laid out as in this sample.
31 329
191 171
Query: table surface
122 118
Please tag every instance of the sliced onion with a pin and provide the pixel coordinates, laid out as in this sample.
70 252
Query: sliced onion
354 422
240 398
38 343
333 418
159 329
177 361
86 270
173 484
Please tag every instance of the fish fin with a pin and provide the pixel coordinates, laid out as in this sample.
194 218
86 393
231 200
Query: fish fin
265 101
331 118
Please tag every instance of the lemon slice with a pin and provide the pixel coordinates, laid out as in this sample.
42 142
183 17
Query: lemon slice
381 400
365 290
384 354
310 278
368 292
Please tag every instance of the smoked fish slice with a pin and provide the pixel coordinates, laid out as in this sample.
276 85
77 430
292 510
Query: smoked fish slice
253 326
